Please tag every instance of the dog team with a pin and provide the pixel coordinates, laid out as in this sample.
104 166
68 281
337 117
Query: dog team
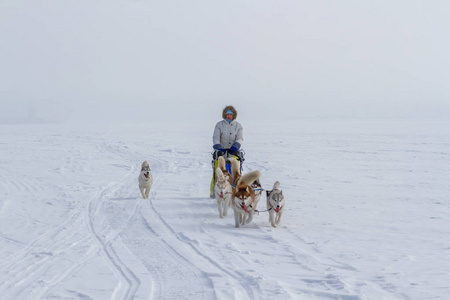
242 192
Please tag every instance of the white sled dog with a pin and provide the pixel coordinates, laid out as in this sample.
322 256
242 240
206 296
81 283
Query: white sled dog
222 189
275 204
243 199
145 180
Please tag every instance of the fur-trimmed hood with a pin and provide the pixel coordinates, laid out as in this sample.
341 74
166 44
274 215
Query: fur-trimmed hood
229 107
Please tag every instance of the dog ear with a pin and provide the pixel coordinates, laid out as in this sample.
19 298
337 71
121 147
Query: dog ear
268 193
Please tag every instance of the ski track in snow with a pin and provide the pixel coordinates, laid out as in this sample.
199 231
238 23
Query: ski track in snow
101 240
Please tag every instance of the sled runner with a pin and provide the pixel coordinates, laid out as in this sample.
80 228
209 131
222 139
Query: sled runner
227 156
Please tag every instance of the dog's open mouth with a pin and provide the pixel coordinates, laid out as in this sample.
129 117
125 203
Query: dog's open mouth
146 175
244 207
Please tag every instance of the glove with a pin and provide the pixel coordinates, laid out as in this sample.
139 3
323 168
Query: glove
219 147
235 148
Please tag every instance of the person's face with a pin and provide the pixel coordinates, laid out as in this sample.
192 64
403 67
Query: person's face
229 117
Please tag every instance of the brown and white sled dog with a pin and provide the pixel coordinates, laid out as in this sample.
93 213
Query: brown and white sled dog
145 180
256 185
222 188
275 204
243 199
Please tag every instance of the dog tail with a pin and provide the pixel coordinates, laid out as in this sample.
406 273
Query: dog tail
219 173
145 164
248 178
235 167
221 163
276 185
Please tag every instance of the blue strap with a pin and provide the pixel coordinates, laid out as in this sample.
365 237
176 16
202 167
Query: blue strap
228 167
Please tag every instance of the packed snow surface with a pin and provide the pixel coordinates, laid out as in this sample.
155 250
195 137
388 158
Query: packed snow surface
366 217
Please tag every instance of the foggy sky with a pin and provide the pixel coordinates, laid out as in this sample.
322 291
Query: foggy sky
161 59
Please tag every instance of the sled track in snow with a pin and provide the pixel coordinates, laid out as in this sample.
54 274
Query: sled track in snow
33 264
108 234
180 237
129 282
166 255
134 235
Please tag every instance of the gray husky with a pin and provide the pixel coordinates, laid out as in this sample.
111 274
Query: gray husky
145 180
275 204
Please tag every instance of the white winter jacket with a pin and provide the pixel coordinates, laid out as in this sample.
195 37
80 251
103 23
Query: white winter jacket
227 134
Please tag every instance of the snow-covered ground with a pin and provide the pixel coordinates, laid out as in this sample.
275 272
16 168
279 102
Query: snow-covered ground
367 212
